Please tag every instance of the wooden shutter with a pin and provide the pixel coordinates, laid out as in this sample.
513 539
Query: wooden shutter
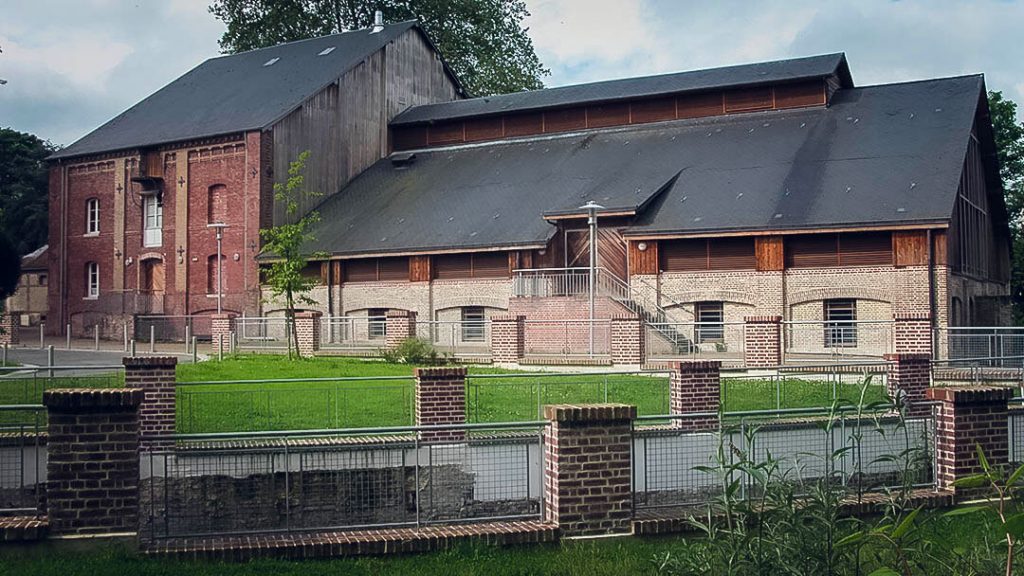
653 110
867 248
700 105
811 251
453 266
363 270
684 255
490 265
731 254
748 99
393 268
801 94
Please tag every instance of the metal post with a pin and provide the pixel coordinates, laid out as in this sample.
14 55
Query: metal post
49 361
591 207
152 338
188 336
3 361
220 347
95 336
195 353
67 337
125 336
42 331
131 347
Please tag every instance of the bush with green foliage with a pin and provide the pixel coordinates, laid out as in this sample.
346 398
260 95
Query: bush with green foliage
415 351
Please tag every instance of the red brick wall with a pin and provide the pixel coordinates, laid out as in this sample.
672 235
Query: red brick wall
762 341
156 377
307 329
912 333
587 468
9 326
969 417
627 340
507 339
93 460
441 400
546 330
401 325
695 387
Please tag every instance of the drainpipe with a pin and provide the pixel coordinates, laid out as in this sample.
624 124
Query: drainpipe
932 312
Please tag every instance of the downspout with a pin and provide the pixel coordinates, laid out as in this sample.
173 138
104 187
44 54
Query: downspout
932 313
63 317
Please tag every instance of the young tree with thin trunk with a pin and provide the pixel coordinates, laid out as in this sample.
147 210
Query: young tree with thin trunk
284 244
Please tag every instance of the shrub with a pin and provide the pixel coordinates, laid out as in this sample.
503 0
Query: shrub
415 351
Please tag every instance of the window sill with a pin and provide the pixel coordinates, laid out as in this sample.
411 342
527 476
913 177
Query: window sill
90 297
91 234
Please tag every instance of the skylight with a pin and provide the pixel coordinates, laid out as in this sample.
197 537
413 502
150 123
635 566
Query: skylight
326 51
271 62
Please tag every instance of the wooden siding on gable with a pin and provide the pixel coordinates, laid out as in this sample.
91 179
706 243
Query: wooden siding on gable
768 251
420 268
910 248
643 261
707 254
848 249
638 111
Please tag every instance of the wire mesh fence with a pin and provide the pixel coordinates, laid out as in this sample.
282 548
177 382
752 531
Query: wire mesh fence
25 385
341 479
467 339
22 459
294 404
263 334
998 346
804 386
173 329
356 334
696 340
1015 429
677 467
516 396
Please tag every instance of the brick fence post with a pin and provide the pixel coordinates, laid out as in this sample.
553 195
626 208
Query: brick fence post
587 468
440 400
93 460
912 333
968 417
156 377
10 324
907 379
694 388
222 327
508 339
762 341
400 326
307 328
628 346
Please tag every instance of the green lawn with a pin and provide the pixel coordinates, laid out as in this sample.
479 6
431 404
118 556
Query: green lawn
493 395
610 557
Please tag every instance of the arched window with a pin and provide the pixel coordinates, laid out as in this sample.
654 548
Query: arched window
92 216
92 280
216 203
212 271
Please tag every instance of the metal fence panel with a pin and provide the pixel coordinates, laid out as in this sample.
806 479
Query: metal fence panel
22 459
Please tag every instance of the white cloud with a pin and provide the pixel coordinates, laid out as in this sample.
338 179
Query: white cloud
84 60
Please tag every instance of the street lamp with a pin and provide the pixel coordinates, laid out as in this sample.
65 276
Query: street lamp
592 207
219 227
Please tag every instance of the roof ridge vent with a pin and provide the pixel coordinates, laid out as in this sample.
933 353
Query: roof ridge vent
378 22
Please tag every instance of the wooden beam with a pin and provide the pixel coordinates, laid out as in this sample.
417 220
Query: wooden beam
769 253
910 248
420 269
879 228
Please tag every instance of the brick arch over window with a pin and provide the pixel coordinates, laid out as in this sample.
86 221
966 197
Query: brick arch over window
834 292
463 300
216 203
728 296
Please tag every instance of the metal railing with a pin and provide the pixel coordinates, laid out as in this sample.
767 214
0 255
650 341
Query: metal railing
548 282
342 479
994 369
22 458
356 334
173 329
26 384
804 386
263 333
518 396
698 340
1015 430
816 339
994 343
462 339
233 406
676 467
567 338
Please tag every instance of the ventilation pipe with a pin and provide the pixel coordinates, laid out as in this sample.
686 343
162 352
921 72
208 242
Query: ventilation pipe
378 22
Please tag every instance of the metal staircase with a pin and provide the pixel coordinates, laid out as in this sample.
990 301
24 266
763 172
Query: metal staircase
653 315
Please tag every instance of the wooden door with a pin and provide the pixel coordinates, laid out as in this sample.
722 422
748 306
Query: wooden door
153 276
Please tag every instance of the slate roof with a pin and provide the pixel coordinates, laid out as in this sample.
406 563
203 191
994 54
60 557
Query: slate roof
35 260
888 155
235 93
630 88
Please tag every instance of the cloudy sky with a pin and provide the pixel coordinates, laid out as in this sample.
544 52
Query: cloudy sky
72 65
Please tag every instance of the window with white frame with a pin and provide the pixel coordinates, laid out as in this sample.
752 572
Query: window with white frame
473 324
92 216
709 317
840 323
92 280
153 220
378 325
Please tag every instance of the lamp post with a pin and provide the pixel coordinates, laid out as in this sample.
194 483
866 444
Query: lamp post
219 227
591 207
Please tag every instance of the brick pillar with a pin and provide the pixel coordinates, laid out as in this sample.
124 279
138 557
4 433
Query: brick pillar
968 417
156 377
912 333
401 325
695 387
93 460
628 340
587 468
307 328
762 341
907 380
508 339
10 323
441 399
222 327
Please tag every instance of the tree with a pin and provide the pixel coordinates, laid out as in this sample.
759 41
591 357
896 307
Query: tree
1009 136
10 267
23 189
483 41
285 243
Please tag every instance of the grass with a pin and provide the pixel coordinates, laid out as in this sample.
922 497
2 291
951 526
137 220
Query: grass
634 556
498 396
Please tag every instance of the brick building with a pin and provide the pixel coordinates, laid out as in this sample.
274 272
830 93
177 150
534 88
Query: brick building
130 203
767 190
